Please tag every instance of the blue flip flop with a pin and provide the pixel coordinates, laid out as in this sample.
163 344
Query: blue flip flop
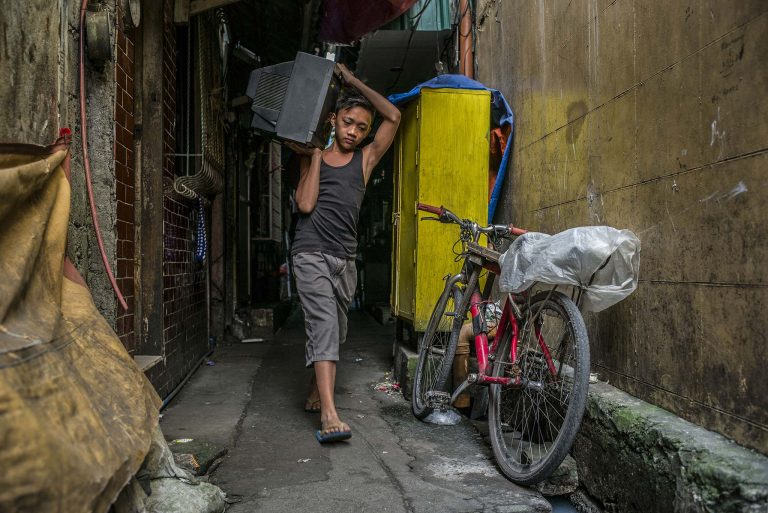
336 436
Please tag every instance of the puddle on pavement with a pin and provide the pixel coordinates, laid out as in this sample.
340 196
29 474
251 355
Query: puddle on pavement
561 505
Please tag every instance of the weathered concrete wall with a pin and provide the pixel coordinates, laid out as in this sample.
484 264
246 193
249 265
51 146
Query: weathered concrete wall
83 247
652 115
39 59
33 72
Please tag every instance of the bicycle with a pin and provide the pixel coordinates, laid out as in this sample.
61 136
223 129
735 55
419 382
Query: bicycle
537 367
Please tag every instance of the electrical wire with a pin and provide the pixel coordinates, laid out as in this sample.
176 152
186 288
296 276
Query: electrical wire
87 162
472 16
207 180
417 17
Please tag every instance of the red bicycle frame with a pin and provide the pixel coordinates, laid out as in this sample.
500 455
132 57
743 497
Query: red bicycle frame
508 321
488 259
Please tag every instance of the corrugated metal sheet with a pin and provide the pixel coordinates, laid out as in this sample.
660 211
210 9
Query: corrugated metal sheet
393 61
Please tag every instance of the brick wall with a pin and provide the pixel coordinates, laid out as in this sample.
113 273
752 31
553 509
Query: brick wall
125 178
184 280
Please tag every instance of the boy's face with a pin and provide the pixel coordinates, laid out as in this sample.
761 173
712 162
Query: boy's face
352 125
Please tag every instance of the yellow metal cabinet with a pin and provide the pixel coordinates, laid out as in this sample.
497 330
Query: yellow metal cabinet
441 158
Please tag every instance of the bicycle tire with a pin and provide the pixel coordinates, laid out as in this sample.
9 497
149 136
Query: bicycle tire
436 350
533 428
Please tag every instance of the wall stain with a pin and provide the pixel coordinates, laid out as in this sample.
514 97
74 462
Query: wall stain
734 52
575 114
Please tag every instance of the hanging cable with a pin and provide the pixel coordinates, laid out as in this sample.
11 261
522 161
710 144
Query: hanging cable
416 20
207 180
87 163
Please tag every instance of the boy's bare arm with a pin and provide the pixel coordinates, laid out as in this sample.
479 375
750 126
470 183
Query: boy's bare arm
309 182
388 128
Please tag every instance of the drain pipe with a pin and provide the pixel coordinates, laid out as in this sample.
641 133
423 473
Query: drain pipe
87 162
467 60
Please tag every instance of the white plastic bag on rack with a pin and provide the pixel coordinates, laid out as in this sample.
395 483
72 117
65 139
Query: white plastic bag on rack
572 258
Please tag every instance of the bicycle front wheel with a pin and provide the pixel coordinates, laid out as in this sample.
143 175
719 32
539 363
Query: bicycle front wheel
534 421
436 351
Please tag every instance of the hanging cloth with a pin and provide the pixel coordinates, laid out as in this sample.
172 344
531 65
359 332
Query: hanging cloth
345 21
201 243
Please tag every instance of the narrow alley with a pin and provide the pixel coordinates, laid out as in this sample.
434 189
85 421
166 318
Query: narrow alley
250 403
543 223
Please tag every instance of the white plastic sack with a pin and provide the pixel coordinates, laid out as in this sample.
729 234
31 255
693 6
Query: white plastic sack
572 258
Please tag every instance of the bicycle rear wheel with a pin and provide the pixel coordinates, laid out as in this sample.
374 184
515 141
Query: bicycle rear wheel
436 351
533 425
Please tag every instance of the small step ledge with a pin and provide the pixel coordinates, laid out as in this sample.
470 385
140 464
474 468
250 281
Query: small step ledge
146 362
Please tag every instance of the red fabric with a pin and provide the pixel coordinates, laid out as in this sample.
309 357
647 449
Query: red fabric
345 21
499 140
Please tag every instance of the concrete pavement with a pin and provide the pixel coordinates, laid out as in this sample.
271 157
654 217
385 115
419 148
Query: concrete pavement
251 402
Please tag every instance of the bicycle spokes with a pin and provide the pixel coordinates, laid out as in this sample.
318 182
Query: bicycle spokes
436 351
532 410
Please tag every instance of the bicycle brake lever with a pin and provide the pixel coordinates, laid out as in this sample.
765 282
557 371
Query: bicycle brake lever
429 219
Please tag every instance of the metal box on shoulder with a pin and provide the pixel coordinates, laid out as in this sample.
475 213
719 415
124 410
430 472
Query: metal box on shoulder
292 100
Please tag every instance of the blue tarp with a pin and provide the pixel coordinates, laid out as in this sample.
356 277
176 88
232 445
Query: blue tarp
501 114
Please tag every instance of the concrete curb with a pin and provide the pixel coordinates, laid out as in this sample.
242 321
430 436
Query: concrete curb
404 367
636 457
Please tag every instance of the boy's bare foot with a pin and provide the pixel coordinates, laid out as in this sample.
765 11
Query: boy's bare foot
333 431
334 426
312 405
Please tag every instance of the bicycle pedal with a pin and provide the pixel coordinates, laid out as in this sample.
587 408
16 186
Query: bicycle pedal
438 399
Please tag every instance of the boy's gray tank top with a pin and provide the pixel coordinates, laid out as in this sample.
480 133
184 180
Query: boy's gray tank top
332 226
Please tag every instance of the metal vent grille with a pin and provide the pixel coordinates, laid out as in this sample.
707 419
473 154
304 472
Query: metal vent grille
270 91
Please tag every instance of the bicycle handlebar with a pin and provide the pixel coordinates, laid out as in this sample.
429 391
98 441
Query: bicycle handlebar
446 216
438 211
516 231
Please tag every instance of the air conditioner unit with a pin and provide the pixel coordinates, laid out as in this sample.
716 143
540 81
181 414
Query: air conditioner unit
292 100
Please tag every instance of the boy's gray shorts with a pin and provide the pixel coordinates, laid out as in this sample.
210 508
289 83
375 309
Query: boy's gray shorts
326 285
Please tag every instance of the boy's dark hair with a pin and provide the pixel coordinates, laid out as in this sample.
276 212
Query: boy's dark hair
349 100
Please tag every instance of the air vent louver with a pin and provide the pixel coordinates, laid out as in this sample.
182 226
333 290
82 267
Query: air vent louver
271 91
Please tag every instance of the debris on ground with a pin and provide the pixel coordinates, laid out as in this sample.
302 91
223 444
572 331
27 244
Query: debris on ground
187 462
206 454
164 486
388 386
303 460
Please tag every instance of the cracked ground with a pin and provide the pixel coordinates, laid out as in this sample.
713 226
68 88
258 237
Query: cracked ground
251 403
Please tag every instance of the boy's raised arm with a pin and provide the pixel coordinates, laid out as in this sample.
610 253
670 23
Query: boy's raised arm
388 128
